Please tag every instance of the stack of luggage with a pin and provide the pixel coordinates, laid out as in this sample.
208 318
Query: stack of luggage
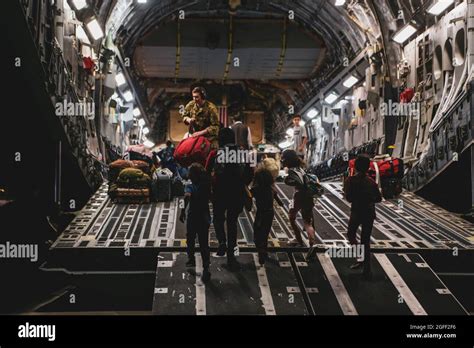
387 172
129 182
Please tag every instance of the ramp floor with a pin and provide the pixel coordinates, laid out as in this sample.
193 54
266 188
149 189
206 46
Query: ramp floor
402 284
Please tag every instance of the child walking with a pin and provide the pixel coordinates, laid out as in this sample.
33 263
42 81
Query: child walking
302 199
264 193
196 203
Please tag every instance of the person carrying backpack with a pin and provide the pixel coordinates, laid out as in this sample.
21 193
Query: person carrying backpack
303 198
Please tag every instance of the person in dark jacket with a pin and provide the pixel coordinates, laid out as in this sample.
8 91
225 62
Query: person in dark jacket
198 217
228 195
363 193
264 193
243 138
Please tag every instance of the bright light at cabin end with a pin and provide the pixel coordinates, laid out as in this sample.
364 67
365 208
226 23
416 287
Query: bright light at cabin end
146 130
95 29
141 122
439 6
404 34
340 2
136 112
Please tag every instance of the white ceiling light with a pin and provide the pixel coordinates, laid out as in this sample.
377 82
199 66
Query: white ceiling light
439 6
290 132
120 79
128 96
141 1
149 144
136 112
405 33
146 130
95 30
81 34
340 2
302 123
331 98
350 81
141 122
79 4
312 113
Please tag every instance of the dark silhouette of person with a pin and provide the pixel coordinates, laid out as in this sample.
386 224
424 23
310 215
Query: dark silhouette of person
362 191
228 195
197 195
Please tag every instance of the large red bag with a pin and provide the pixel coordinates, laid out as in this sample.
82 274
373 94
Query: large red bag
390 174
192 150
387 168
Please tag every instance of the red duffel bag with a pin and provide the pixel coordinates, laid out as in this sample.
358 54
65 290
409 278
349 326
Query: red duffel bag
192 150
392 168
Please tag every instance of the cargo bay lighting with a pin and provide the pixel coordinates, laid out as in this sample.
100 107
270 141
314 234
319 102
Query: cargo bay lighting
350 81
405 33
331 98
79 4
312 113
128 96
439 6
136 112
141 122
340 2
94 29
120 79
146 130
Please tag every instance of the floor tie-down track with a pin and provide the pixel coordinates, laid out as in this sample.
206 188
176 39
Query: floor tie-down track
402 284
409 222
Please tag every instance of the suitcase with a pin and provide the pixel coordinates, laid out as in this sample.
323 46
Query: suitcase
131 196
192 150
161 186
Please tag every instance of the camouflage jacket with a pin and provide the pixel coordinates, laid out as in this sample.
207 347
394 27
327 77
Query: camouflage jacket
206 116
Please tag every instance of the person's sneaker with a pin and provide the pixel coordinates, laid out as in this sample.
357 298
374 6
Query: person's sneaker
191 263
206 275
221 250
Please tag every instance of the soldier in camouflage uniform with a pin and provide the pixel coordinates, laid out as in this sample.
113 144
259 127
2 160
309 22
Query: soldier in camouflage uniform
202 117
